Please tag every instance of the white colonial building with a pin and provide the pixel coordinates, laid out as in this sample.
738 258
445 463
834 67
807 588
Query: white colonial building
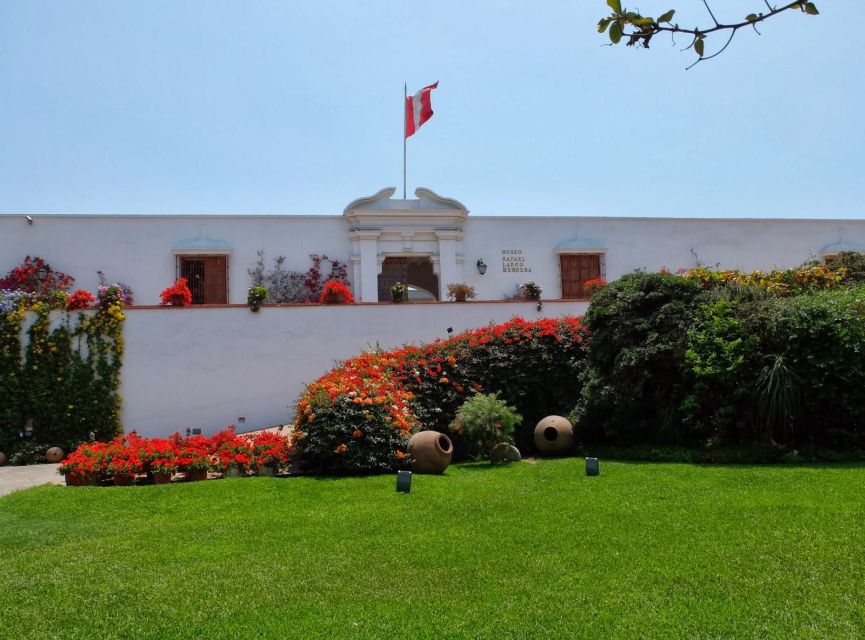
214 365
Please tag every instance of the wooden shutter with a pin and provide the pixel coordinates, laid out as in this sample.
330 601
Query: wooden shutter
215 289
576 270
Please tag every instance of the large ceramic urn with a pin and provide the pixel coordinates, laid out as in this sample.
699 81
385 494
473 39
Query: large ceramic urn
554 435
431 451
54 454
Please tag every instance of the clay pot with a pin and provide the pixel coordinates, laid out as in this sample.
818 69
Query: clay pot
431 451
554 435
54 454
161 478
266 472
235 472
123 479
2 458
74 479
194 476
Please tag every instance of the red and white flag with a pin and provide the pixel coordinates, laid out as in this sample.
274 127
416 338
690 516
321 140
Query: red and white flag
418 109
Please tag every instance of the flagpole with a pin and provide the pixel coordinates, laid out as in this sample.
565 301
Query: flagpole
404 99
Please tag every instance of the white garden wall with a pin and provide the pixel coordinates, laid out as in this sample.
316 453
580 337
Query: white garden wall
207 367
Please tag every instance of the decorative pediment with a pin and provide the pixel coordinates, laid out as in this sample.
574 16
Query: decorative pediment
428 209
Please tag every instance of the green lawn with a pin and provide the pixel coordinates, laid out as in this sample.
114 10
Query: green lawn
527 551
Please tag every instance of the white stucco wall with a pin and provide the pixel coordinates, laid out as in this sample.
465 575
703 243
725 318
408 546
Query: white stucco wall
644 243
207 367
139 250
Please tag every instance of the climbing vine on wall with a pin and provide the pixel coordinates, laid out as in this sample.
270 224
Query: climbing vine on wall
59 372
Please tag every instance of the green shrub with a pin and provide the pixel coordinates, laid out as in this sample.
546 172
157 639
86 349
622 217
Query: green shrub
485 420
854 263
632 377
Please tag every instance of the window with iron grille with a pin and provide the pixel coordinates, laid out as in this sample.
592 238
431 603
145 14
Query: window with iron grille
206 276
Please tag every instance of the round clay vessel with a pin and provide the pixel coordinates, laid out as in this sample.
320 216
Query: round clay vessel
554 435
54 454
2 458
431 451
265 471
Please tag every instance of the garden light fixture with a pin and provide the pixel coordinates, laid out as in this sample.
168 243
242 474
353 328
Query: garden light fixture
335 271
403 481
482 266
592 467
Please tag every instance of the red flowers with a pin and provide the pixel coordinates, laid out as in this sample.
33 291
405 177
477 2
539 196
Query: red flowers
177 295
36 276
130 455
335 292
81 299
368 406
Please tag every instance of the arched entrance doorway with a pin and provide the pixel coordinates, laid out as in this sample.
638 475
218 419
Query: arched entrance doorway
412 270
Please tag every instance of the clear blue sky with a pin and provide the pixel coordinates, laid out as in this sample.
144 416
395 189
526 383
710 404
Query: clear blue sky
276 106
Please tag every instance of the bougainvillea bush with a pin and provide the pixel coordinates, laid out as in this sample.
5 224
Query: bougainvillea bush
359 416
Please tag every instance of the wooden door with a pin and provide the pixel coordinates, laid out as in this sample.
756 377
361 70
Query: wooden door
576 270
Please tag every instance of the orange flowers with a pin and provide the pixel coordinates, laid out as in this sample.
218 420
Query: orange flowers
357 433
399 454
341 449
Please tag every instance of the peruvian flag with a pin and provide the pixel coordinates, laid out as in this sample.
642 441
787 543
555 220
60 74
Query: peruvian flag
418 109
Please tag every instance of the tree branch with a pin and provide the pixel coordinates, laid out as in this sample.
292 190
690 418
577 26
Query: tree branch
639 30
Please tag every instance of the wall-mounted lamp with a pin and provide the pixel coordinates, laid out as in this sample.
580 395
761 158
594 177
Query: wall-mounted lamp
27 434
540 306
335 271
482 266
42 274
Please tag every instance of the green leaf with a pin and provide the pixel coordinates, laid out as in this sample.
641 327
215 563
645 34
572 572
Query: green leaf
751 17
698 47
615 32
811 9
615 5
667 16
603 24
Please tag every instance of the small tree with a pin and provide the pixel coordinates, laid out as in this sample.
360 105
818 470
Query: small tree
486 420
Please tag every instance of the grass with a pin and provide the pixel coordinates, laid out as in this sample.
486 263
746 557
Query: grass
526 551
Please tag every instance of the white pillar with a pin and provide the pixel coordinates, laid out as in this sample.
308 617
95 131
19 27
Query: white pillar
369 268
449 271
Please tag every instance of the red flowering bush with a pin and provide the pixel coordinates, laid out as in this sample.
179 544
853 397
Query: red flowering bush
234 451
335 292
177 295
36 276
81 299
132 455
594 285
357 417
270 449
